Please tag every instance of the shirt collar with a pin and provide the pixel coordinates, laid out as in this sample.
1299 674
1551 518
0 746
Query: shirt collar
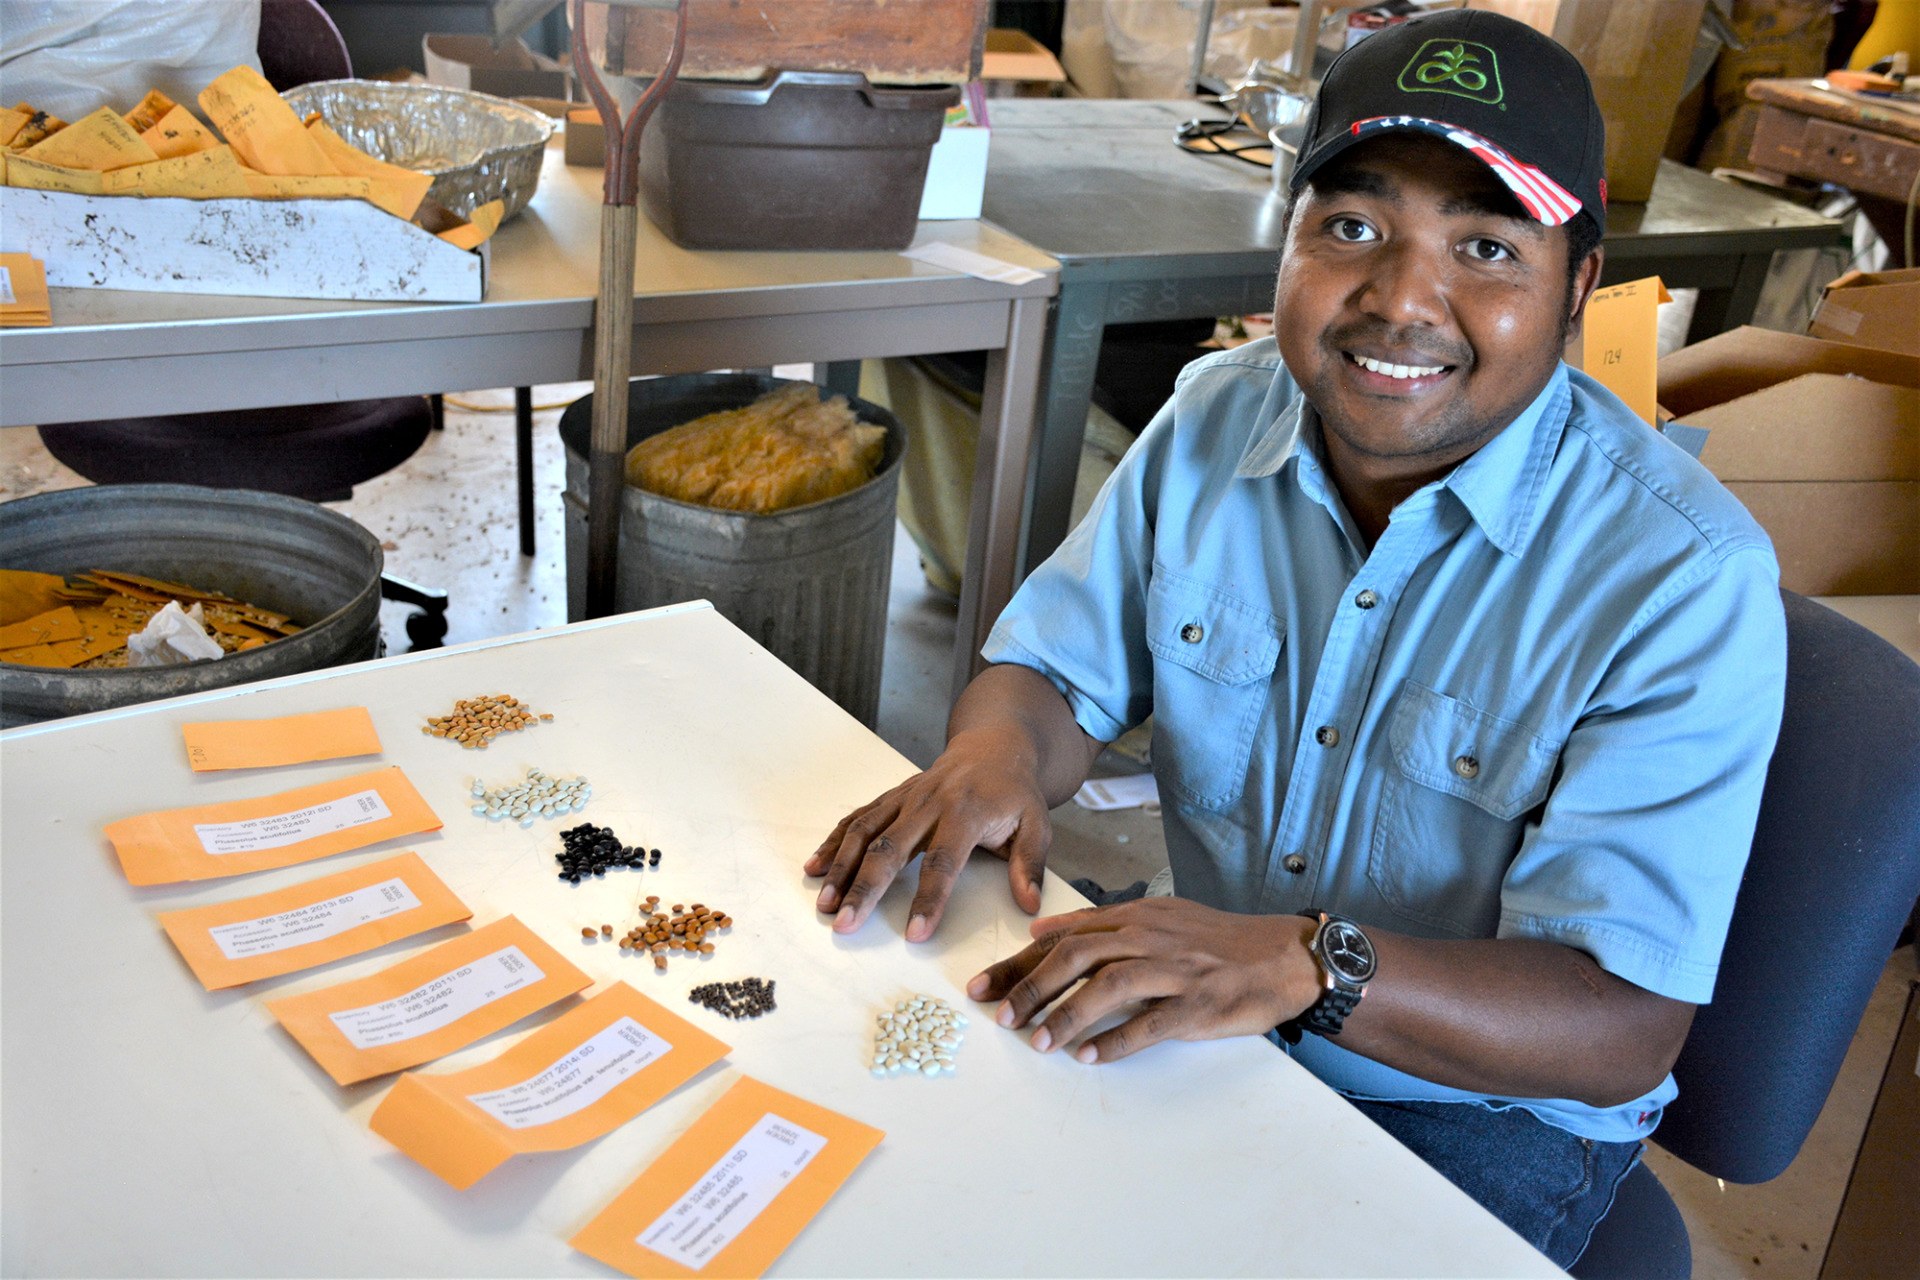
1500 484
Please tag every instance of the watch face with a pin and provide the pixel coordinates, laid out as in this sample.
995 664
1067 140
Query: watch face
1347 951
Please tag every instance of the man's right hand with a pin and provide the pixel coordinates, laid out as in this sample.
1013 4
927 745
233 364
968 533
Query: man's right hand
1013 751
980 794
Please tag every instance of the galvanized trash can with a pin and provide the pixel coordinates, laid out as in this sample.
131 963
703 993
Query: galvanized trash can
809 583
284 554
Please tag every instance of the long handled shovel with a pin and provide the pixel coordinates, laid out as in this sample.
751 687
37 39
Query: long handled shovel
613 313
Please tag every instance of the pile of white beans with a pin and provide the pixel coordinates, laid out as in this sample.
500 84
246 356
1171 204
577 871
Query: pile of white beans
537 797
921 1033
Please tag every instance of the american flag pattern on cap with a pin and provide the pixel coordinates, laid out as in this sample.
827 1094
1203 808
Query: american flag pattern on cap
1545 199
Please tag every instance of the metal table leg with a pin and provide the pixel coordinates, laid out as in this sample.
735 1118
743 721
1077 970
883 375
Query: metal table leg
1001 468
523 448
1072 356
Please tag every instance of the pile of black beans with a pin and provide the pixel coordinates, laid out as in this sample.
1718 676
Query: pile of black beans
587 850
748 998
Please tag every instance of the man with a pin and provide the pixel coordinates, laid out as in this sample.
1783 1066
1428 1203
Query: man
1443 648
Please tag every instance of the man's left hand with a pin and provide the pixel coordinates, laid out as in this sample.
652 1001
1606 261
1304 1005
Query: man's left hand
1200 974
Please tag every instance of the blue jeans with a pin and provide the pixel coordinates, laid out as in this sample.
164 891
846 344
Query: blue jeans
1552 1187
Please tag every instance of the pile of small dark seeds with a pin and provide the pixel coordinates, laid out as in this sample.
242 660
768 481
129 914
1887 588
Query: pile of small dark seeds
587 850
748 998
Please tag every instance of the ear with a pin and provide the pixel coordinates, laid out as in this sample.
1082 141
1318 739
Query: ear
1584 281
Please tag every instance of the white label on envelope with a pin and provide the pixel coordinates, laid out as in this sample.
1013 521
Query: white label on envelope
729 1196
440 1002
578 1080
6 286
314 922
283 829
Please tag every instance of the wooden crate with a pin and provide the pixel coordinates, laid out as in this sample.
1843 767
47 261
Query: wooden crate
897 42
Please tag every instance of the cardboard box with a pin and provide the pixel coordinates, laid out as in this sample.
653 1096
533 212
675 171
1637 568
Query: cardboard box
1826 460
889 42
510 71
1875 1234
1636 54
1015 65
1872 309
255 248
586 140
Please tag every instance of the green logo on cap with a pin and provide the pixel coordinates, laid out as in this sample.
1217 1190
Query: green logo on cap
1459 67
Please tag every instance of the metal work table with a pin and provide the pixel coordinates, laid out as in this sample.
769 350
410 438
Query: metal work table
113 353
1145 231
154 1128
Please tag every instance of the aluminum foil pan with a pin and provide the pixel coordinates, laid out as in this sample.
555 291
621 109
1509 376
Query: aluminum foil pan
477 146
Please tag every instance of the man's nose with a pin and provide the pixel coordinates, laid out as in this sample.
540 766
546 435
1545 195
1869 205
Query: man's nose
1406 284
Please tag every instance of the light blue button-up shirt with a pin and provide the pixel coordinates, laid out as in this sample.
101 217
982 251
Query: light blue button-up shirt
1540 707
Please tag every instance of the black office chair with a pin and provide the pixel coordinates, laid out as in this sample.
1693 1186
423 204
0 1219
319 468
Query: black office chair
1832 879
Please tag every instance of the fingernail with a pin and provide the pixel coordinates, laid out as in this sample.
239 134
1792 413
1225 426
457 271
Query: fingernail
828 896
977 986
1043 1040
1087 1054
844 920
918 929
1005 1015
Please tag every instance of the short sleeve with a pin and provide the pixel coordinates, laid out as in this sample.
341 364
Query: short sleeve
1080 618
1639 851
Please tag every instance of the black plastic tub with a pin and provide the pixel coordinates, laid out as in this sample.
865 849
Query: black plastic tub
796 160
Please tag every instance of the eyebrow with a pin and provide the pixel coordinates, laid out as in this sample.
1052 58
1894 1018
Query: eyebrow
1492 200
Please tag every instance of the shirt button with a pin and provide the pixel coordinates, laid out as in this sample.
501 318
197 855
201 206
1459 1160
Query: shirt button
1366 600
1466 766
1294 863
1327 736
1192 633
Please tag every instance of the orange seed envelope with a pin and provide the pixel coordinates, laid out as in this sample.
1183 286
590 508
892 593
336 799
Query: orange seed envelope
38 175
429 1005
480 225
178 133
576 1079
399 191
297 186
208 841
212 174
261 744
262 129
56 624
149 112
99 141
231 943
1620 342
733 1191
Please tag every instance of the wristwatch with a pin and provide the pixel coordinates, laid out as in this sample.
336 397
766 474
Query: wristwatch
1346 966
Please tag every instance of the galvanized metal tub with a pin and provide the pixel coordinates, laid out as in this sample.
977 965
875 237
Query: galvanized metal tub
284 554
810 583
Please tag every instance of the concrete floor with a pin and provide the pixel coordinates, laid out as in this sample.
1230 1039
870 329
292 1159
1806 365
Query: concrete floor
447 519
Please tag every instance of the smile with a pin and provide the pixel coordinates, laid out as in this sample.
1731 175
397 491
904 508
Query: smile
1402 371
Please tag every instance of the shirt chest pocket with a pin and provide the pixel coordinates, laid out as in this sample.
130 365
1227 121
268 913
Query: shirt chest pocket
1214 659
1453 808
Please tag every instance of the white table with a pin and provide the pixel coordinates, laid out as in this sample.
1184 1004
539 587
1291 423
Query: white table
111 353
154 1129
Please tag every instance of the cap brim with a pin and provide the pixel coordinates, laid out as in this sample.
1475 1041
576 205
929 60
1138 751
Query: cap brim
1545 200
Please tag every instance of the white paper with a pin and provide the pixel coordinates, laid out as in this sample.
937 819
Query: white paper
440 1002
730 1195
969 263
1100 794
578 1080
6 286
314 922
172 636
280 830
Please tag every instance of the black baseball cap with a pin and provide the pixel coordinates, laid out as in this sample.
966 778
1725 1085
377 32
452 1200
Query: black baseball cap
1514 98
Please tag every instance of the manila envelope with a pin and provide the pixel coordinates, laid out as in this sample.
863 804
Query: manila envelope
208 841
247 939
1619 342
258 744
735 1189
576 1079
430 1004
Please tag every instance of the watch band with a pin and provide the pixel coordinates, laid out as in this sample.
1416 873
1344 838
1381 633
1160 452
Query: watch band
1328 1014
